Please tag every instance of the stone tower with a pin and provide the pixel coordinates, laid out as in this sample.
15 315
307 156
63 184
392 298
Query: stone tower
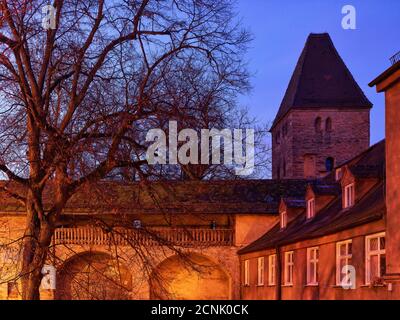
324 118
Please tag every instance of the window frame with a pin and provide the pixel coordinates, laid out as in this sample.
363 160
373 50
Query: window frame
379 252
349 195
246 279
260 271
284 219
272 270
288 268
348 257
312 260
310 208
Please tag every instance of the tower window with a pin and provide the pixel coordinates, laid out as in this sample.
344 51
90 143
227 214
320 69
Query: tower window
328 125
329 164
318 124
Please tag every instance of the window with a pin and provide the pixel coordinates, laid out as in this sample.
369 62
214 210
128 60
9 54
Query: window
328 125
283 220
344 252
329 164
375 257
272 270
312 266
260 271
289 266
247 272
349 195
310 208
318 125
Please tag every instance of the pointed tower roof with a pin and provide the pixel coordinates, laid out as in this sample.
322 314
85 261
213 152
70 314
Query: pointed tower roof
321 80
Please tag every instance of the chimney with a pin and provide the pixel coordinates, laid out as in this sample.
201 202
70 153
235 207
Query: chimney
389 83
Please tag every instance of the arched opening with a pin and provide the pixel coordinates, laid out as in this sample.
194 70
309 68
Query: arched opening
318 124
328 125
94 276
192 277
329 164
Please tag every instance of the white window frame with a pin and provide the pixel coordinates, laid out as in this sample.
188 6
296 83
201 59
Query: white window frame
283 220
349 195
347 257
272 270
247 273
260 271
312 280
311 208
369 254
289 268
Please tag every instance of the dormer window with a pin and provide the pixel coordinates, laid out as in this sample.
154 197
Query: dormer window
283 220
349 195
311 208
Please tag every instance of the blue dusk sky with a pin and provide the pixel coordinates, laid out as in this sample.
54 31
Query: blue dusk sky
280 29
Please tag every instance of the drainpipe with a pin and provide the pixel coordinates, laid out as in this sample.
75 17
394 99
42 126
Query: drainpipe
278 274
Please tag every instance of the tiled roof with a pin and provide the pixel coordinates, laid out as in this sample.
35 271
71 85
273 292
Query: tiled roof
321 80
368 164
237 196
330 220
322 188
295 202
334 218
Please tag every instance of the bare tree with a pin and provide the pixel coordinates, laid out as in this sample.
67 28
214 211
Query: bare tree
75 99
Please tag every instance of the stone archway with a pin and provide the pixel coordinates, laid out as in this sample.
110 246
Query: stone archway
93 276
194 277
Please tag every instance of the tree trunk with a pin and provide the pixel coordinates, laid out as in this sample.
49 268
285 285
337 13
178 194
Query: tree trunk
38 235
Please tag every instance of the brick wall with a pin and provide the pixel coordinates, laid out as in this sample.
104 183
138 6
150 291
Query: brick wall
300 140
